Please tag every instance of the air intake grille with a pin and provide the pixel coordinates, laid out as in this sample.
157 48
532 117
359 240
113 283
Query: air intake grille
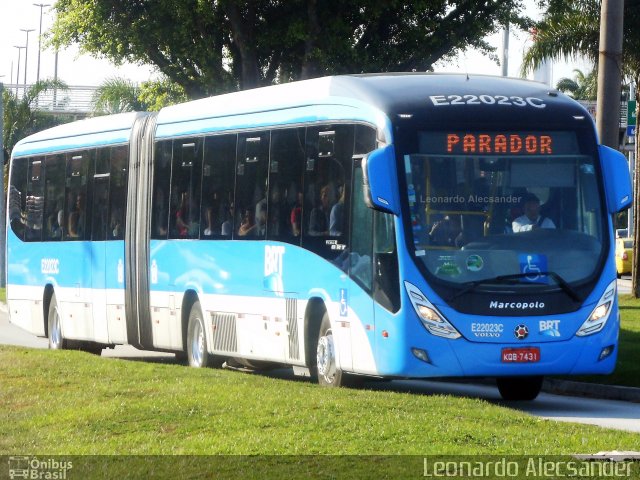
292 327
224 332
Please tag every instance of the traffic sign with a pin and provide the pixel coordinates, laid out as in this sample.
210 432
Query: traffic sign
631 131
631 113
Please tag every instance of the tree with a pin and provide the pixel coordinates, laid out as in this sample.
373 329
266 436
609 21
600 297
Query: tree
214 46
21 119
572 27
581 86
117 95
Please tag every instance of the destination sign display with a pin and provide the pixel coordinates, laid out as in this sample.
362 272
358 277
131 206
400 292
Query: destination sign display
499 143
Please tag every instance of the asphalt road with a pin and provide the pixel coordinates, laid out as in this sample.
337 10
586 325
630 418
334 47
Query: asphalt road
624 284
603 413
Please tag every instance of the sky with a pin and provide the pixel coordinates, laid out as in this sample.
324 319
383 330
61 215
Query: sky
83 70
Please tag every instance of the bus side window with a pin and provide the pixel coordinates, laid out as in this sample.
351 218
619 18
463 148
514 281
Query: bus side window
186 176
55 171
218 178
285 185
35 200
360 258
251 186
327 185
118 191
76 194
18 196
161 181
365 141
386 274
100 205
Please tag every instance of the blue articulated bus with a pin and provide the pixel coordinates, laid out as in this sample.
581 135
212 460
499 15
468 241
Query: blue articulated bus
395 226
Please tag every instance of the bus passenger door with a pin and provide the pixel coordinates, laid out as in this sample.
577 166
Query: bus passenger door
359 298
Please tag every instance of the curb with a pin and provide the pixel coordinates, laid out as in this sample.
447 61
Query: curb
591 390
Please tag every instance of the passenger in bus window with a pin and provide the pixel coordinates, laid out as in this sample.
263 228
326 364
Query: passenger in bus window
77 216
247 224
296 215
55 221
336 216
227 224
319 220
160 214
277 218
186 222
115 226
531 220
208 219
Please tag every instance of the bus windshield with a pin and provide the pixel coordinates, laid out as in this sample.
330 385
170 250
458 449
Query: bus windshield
525 206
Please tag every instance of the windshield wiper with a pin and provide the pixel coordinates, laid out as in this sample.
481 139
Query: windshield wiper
561 282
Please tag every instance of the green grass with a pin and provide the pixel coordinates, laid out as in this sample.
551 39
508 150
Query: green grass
72 403
627 372
3 295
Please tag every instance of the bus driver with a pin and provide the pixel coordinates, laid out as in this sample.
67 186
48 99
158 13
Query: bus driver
531 219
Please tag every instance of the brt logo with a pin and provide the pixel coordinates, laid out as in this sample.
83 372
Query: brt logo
549 328
273 267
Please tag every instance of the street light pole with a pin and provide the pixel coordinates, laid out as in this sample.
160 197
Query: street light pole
19 47
26 54
41 5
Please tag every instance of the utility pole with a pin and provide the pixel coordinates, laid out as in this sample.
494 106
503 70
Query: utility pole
19 47
505 51
26 55
41 5
610 72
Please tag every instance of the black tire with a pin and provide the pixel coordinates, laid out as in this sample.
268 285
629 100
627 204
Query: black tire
328 374
198 354
519 388
54 327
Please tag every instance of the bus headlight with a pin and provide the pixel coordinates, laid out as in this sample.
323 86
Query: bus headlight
599 316
432 320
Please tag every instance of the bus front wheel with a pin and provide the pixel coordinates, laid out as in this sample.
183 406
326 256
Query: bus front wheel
329 375
519 388
54 326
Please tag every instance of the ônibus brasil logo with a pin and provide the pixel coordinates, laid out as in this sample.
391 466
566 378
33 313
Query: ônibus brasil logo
521 332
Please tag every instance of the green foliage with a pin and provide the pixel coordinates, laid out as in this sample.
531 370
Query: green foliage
157 94
21 119
116 95
581 87
210 47
572 27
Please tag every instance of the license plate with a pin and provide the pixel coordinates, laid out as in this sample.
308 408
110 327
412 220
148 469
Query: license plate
521 355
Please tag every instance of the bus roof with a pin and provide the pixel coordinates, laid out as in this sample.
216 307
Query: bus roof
372 98
104 130
369 98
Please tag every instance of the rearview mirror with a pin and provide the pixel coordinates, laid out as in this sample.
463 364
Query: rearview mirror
617 180
381 180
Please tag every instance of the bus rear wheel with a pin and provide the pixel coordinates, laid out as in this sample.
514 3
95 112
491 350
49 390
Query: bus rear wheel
519 388
197 351
54 326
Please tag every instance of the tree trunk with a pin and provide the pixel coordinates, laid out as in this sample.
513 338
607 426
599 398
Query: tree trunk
242 33
310 67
